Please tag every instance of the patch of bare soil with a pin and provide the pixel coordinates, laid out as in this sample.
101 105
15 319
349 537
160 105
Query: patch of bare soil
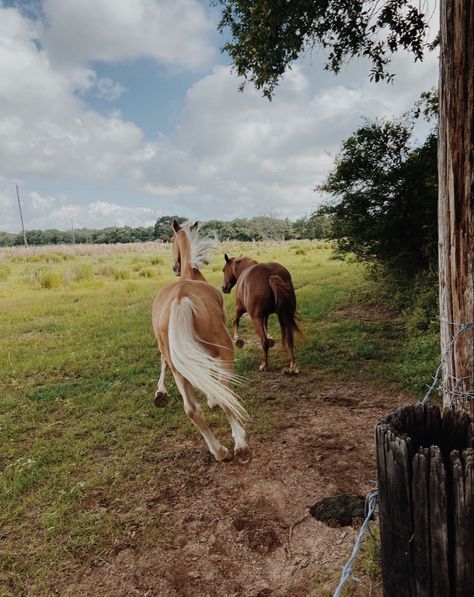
246 531
368 312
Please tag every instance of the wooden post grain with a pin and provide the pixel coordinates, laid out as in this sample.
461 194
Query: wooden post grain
425 462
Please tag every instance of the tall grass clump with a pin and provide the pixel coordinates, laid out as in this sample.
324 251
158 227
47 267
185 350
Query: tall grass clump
146 272
47 278
5 271
81 271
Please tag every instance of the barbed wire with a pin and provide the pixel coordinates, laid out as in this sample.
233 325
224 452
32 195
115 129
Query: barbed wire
372 497
463 327
370 502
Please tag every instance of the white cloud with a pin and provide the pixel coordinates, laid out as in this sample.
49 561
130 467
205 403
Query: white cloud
236 154
48 211
231 154
173 32
45 129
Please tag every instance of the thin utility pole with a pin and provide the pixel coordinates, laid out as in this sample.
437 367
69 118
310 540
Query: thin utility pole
21 216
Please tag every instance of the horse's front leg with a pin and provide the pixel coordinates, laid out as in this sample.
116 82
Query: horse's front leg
239 311
161 395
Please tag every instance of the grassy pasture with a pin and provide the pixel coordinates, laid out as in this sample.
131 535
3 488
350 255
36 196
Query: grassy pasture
78 371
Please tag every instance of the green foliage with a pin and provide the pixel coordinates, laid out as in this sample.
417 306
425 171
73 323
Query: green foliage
267 227
110 235
163 227
384 207
316 226
268 35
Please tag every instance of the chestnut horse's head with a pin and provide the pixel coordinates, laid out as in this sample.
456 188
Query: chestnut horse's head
229 274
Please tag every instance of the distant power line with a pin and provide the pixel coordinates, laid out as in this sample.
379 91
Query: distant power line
21 216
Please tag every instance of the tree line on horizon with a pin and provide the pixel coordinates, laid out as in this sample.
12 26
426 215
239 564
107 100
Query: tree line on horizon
312 227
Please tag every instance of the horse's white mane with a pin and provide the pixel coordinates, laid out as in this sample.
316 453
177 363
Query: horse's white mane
199 247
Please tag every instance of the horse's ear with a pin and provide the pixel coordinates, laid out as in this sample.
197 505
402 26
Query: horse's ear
176 226
226 257
194 226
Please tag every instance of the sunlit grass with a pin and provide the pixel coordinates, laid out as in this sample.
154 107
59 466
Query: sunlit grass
78 371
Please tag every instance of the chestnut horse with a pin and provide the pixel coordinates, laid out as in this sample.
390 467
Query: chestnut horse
263 289
189 325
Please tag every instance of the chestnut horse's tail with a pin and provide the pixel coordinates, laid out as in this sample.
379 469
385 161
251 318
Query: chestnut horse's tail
201 369
285 308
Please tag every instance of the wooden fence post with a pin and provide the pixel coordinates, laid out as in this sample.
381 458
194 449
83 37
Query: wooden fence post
425 462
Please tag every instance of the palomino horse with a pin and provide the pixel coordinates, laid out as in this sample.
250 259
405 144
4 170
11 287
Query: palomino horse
262 289
189 325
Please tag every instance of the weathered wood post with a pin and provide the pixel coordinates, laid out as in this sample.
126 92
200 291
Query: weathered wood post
425 462
456 198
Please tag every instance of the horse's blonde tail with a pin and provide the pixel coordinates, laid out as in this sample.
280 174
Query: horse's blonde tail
194 363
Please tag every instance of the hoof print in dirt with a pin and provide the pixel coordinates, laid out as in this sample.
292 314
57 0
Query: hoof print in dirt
258 534
161 399
340 510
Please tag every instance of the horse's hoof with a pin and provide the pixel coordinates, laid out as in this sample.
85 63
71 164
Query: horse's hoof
222 454
239 343
262 367
271 342
290 371
243 455
161 399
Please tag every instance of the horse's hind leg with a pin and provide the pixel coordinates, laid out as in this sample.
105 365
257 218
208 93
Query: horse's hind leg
195 414
293 369
259 326
271 341
242 451
161 395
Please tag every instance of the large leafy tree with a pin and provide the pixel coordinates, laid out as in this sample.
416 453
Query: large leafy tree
384 198
268 35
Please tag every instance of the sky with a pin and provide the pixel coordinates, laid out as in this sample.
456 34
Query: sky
117 112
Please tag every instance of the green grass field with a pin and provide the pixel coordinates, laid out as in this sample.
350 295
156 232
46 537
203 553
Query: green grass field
78 372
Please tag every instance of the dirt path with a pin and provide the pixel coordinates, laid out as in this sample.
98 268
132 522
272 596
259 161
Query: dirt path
228 528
